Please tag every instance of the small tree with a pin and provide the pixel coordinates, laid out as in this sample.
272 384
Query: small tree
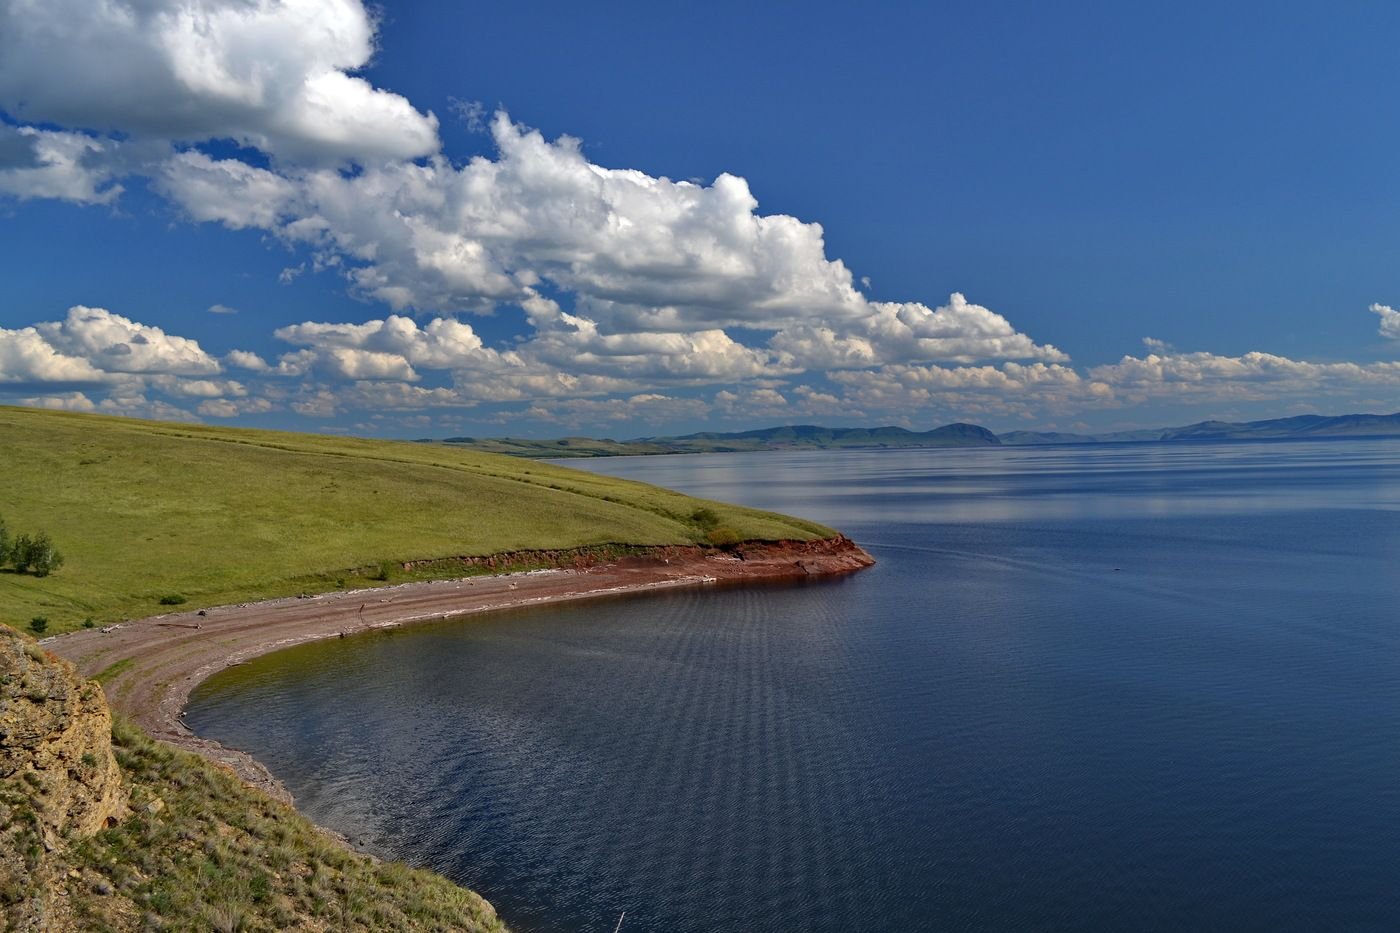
35 554
19 552
44 558
39 625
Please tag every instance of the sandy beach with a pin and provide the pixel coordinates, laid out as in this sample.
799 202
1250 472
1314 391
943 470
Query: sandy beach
152 665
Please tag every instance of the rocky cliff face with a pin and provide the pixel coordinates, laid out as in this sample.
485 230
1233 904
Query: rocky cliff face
58 778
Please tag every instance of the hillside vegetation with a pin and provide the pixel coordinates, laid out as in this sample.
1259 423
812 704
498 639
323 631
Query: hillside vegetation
151 514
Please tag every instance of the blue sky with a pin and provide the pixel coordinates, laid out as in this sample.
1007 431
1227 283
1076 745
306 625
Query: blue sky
557 218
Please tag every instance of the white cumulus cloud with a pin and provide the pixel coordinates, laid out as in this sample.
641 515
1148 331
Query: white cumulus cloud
27 358
1253 376
1010 389
274 74
67 401
644 408
660 272
115 344
1390 320
68 166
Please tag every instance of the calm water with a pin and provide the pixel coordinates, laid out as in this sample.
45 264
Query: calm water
1118 687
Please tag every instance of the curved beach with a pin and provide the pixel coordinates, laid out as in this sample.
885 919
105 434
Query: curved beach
149 667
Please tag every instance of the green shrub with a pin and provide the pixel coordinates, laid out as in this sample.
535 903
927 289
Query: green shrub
383 571
38 625
19 553
172 599
35 554
722 536
705 518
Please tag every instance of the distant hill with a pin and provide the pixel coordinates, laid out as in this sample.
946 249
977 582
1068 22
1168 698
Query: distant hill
785 437
807 435
1298 427
813 437
1037 438
562 448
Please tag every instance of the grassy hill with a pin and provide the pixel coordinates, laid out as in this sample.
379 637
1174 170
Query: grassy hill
146 510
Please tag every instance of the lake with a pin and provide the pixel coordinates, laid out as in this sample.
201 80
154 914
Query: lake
1134 686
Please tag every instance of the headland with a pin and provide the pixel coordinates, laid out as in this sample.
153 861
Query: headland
149 667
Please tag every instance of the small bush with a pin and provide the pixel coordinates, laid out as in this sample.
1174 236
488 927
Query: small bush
705 518
172 599
39 625
383 571
19 553
722 536
88 623
226 919
34 554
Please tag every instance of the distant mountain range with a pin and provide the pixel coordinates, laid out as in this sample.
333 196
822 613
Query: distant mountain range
1297 427
781 438
806 436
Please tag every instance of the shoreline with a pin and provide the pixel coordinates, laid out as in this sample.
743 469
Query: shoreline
149 667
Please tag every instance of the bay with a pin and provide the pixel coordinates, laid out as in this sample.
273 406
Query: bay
1145 686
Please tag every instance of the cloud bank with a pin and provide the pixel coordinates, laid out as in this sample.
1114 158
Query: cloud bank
633 293
95 360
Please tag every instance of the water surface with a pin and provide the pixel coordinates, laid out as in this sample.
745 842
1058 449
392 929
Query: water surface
1135 686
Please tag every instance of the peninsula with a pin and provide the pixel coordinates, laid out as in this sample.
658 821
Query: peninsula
191 548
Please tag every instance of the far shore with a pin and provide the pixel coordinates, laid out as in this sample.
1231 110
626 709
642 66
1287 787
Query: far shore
149 667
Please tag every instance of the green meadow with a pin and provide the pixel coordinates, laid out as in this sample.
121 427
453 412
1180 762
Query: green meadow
151 515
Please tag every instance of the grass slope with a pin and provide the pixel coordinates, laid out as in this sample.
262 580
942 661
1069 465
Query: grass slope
144 510
201 851
223 857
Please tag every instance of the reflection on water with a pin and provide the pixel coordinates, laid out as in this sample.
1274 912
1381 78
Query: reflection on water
1139 686
860 488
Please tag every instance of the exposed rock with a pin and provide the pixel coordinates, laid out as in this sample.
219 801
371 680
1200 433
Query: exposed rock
824 556
58 778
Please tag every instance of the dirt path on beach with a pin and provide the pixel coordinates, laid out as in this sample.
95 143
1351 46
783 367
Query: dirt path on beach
153 664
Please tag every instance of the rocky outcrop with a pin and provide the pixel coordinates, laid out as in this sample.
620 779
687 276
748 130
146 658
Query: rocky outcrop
59 780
